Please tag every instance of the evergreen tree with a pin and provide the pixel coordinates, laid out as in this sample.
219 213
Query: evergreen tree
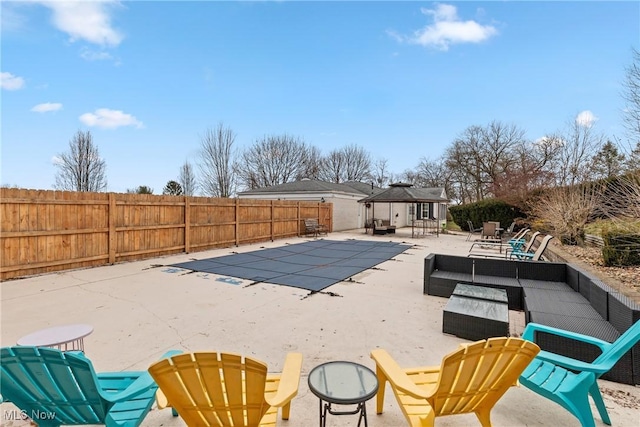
608 162
173 188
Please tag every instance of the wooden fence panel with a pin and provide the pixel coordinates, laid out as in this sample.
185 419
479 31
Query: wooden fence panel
43 231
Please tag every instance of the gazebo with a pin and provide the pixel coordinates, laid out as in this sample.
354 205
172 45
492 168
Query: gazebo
405 193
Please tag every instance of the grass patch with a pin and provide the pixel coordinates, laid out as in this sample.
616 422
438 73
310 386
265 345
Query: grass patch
597 227
452 226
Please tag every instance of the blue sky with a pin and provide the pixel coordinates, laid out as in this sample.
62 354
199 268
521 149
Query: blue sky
401 79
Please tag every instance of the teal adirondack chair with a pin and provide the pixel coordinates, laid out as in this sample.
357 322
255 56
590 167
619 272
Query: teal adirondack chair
533 256
569 382
56 388
518 241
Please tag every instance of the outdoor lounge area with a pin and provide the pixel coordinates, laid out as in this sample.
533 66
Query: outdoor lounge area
559 295
139 311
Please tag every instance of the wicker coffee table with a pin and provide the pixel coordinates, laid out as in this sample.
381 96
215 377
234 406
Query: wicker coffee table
476 313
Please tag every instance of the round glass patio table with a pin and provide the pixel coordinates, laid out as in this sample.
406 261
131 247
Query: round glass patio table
65 338
343 383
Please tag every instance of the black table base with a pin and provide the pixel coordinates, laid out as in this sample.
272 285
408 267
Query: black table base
325 407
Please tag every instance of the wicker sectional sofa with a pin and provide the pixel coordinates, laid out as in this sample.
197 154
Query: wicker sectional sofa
554 294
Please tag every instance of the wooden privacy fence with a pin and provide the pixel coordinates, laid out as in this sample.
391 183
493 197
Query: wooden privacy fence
44 231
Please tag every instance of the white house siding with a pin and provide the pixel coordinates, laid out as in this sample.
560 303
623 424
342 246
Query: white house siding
395 212
347 212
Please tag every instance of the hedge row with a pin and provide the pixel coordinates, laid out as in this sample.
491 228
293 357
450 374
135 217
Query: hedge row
485 210
621 248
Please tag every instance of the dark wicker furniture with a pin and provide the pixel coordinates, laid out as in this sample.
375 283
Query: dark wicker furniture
476 313
554 294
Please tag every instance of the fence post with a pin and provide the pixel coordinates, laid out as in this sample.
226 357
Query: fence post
111 214
298 220
272 219
237 221
187 228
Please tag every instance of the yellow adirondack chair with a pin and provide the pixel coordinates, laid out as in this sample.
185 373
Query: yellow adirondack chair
222 389
470 379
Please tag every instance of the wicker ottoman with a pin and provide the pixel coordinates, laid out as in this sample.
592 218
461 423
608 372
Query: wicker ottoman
476 313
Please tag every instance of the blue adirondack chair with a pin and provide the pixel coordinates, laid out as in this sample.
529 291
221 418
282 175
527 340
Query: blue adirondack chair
570 382
533 256
56 388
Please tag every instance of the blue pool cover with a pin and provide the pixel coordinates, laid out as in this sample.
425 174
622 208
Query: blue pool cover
312 265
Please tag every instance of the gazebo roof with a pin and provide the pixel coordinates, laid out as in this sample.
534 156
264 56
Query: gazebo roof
404 193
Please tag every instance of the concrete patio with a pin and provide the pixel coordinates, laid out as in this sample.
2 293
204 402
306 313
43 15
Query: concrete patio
141 309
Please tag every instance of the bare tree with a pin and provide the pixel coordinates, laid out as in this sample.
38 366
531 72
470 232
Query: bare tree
380 173
81 168
434 173
407 176
311 163
350 163
273 160
631 95
463 159
332 169
216 161
357 162
187 179
574 162
482 156
528 171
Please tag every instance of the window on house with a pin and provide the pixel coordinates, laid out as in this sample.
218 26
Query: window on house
425 211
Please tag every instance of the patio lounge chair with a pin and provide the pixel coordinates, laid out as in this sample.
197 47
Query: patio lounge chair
570 382
535 256
509 231
222 389
472 230
470 379
515 243
63 389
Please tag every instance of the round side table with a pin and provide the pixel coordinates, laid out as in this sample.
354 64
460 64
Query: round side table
343 383
65 338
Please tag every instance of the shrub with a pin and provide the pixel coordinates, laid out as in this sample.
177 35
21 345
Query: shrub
567 210
621 247
485 210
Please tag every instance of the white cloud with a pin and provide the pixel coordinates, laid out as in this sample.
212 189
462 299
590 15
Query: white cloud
11 20
109 119
447 29
92 55
47 107
85 20
10 82
586 119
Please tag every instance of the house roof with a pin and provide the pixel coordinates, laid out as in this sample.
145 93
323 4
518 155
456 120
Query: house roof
315 186
404 193
363 187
